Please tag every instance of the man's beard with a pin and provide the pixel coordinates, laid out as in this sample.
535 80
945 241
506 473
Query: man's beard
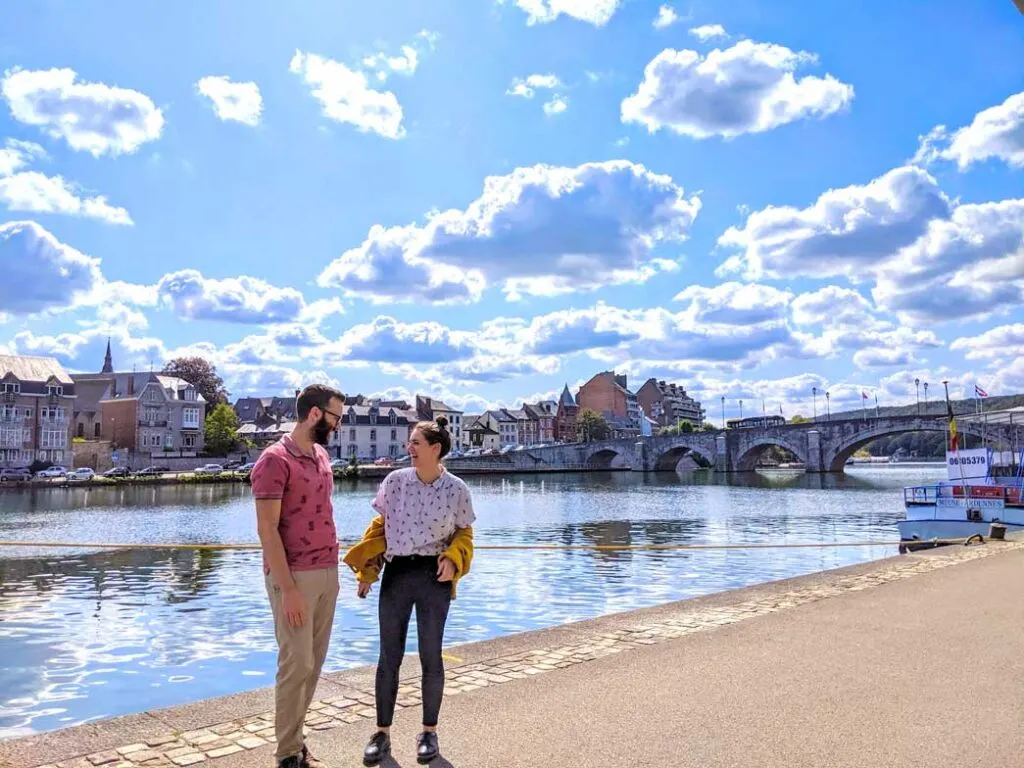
321 432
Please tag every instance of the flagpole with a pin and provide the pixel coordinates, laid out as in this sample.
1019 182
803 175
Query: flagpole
955 444
876 405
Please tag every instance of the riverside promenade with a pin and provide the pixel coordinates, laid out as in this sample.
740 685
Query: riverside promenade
916 660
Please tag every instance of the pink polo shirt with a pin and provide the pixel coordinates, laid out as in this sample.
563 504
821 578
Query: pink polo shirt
304 485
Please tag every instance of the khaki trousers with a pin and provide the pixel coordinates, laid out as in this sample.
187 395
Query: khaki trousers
301 653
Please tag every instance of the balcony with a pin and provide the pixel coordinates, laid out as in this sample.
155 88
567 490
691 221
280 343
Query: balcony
55 421
12 419
193 425
152 422
8 397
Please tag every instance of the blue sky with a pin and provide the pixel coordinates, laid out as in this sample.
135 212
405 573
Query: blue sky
484 200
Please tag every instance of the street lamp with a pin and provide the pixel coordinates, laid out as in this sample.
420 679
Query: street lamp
828 409
741 409
926 397
814 392
723 411
917 387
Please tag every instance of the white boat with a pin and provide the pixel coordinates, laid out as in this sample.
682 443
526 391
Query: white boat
981 488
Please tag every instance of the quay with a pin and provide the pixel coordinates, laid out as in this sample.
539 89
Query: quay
908 661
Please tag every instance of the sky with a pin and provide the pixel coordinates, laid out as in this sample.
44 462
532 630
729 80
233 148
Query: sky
486 200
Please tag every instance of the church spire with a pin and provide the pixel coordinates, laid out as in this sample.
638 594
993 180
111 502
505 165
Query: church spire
108 361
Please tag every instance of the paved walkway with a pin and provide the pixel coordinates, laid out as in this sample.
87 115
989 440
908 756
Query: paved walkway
912 661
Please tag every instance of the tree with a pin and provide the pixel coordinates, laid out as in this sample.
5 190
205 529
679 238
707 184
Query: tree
221 429
798 419
592 425
201 375
683 427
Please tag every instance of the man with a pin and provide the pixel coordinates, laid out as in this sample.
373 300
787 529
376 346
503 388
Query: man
292 484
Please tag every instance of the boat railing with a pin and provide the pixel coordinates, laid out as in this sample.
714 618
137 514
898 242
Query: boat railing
929 494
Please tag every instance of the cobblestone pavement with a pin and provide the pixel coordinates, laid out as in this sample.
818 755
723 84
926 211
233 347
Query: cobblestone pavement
208 744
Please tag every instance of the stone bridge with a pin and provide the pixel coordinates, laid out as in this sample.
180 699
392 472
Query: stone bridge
822 446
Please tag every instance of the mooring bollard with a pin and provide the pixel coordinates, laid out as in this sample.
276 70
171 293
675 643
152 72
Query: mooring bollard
997 531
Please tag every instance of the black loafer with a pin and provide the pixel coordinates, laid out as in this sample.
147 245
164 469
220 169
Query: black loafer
378 748
426 747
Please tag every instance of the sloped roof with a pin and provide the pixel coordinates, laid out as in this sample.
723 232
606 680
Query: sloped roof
567 398
29 368
89 393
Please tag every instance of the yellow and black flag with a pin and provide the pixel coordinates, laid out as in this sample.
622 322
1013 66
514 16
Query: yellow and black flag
953 436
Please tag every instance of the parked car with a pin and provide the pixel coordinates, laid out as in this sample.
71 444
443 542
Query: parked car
118 472
383 461
234 464
246 469
82 474
154 470
209 469
52 472
15 474
339 463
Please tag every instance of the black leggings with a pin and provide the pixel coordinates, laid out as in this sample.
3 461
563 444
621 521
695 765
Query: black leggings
407 582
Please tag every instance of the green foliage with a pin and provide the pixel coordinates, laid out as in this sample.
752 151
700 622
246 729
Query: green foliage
221 429
684 427
592 425
798 419
201 375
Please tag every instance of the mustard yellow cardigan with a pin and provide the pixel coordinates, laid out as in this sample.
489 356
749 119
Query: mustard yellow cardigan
366 558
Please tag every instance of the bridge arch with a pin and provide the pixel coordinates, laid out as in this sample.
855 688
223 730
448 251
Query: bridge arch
667 459
835 456
604 457
750 452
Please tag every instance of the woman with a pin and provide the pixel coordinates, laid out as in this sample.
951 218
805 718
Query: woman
423 538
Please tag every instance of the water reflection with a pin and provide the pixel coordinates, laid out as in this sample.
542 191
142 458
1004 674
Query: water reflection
87 634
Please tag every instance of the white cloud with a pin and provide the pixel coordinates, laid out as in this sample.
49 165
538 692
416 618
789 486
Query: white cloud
17 154
40 272
667 16
596 12
527 87
556 106
1005 342
735 304
748 88
347 97
406 62
832 305
388 340
542 230
845 233
232 100
930 260
235 299
709 32
384 270
996 132
118 315
34 192
93 117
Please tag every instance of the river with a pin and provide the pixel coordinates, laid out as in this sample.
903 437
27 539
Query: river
88 634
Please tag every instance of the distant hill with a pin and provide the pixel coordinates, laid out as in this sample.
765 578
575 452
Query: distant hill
935 407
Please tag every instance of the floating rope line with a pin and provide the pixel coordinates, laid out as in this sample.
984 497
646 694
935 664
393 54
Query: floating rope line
514 547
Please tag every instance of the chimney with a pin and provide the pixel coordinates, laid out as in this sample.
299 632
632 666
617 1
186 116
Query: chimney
131 384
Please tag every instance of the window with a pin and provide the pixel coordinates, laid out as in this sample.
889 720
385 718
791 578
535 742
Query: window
351 435
373 417
373 451
54 438
352 418
168 441
393 450
81 429
394 419
54 389
351 450
96 430
394 434
8 412
373 434
190 418
12 386
191 394
152 395
188 441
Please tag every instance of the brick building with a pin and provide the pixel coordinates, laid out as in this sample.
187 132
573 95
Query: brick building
37 399
566 411
607 393
667 404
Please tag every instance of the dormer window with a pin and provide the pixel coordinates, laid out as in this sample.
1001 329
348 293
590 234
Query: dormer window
394 418
12 386
352 417
54 389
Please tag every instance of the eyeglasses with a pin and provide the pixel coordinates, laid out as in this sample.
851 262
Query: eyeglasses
337 416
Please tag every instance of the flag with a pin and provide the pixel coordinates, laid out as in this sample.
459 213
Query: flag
864 395
979 392
953 437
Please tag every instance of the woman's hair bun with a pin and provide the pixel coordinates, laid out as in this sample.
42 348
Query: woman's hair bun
442 422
